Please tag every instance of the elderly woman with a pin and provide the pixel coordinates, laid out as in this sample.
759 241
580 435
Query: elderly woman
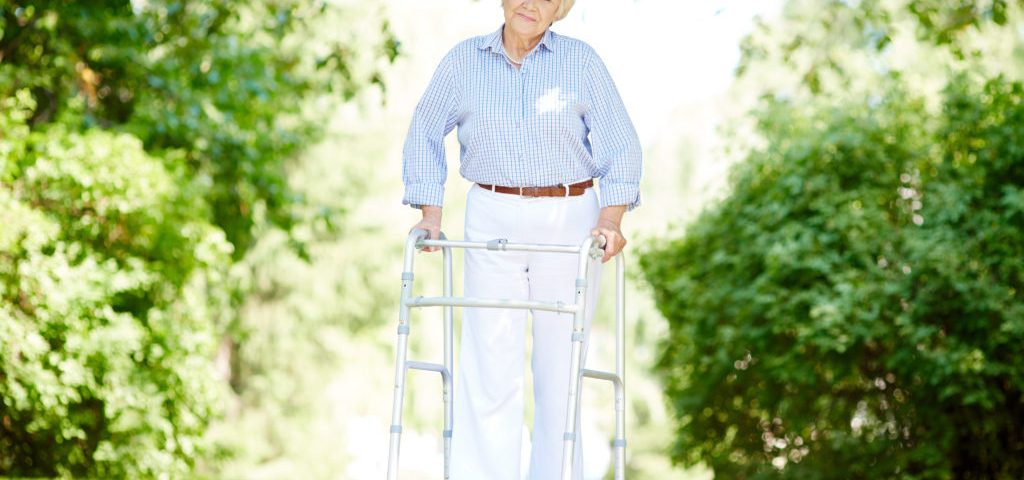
539 119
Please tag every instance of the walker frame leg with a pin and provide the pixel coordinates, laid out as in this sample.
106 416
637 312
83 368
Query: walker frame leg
402 364
617 378
400 357
576 364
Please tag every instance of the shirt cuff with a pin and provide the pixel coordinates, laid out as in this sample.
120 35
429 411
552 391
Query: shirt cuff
620 194
418 194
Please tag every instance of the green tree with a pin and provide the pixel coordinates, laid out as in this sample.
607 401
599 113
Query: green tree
235 86
110 279
143 146
852 309
822 47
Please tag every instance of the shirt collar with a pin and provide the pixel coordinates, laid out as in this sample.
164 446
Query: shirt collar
493 43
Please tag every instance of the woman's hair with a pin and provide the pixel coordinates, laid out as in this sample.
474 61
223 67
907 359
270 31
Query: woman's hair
563 8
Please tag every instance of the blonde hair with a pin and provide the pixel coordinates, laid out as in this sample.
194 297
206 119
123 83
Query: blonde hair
563 9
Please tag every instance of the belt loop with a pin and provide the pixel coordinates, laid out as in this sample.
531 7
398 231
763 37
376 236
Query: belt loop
493 187
566 189
520 191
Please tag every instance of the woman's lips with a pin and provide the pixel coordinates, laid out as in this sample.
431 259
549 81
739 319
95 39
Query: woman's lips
529 19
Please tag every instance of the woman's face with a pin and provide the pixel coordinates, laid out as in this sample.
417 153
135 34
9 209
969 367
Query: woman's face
530 18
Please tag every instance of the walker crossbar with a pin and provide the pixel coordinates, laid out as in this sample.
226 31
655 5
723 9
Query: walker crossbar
560 307
589 250
599 375
430 367
501 245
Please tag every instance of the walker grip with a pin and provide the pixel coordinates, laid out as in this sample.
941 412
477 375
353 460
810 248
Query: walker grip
597 248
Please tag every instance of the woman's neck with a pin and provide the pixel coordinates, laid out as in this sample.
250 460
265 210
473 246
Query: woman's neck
518 46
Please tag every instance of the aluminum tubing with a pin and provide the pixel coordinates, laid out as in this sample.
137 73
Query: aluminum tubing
569 438
399 391
401 351
448 361
620 366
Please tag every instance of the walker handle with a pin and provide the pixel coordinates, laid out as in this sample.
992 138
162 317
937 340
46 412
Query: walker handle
597 248
416 236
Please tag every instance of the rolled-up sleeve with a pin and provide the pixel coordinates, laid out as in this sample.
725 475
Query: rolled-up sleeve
614 142
424 167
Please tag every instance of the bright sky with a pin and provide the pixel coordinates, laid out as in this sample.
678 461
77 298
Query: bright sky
665 52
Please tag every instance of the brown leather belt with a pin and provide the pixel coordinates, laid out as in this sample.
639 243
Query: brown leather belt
560 190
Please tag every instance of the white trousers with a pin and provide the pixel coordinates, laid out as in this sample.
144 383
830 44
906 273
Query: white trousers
488 402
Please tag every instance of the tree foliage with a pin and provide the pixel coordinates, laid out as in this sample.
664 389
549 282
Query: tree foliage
228 84
143 146
830 47
852 309
110 279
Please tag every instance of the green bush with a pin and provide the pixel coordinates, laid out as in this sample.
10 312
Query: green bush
143 148
110 277
853 308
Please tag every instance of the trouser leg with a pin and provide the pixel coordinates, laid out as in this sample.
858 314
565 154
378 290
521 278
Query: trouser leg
488 408
552 277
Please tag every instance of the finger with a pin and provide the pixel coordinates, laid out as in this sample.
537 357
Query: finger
610 255
614 249
433 236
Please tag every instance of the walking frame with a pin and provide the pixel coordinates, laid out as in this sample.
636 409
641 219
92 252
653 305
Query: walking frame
590 250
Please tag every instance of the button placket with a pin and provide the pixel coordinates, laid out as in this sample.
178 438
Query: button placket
521 80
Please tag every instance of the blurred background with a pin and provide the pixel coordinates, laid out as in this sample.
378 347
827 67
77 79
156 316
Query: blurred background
201 235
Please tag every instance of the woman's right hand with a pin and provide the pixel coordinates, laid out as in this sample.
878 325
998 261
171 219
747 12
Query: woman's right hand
431 222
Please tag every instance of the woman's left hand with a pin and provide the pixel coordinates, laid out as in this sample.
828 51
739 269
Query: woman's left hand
608 225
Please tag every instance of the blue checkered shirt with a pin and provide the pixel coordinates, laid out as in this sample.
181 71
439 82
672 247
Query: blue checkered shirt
556 120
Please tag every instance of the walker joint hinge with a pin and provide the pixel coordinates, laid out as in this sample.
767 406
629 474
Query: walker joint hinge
497 244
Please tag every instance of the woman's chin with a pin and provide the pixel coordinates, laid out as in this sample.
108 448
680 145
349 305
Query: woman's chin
524 28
